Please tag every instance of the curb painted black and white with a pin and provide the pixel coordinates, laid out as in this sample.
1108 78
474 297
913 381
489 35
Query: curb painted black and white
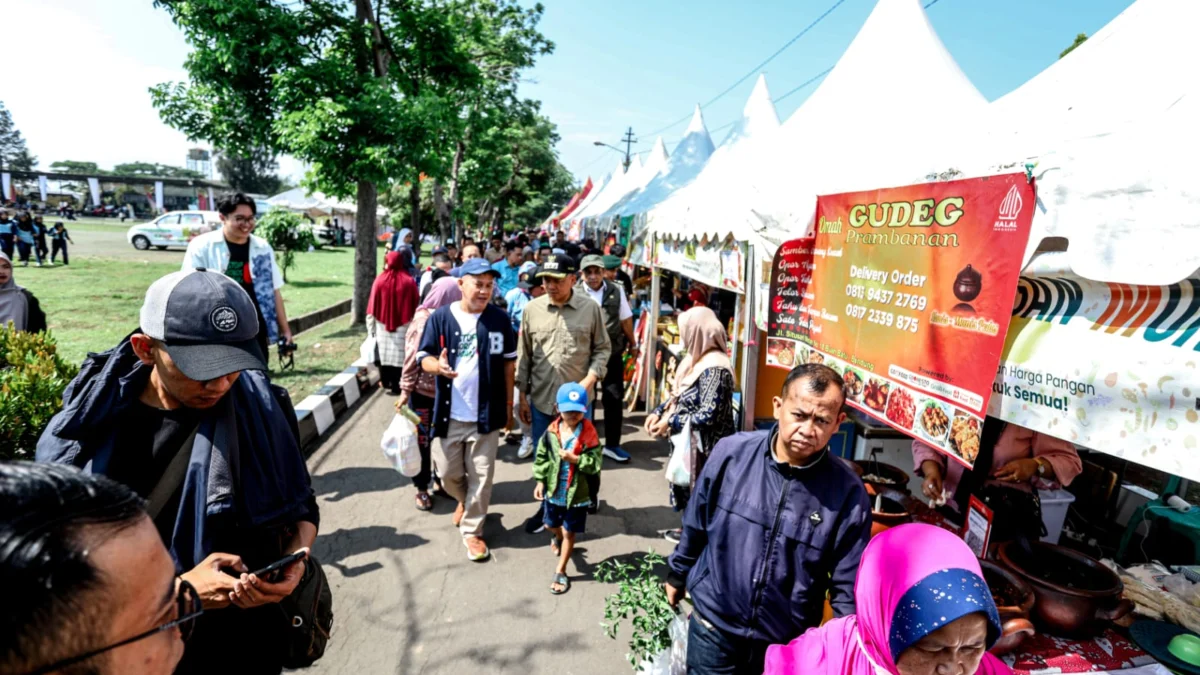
318 412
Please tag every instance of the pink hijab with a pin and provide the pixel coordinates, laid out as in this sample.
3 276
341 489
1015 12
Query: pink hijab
913 580
706 344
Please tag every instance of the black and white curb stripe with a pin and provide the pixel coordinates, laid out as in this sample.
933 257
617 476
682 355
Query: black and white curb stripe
317 413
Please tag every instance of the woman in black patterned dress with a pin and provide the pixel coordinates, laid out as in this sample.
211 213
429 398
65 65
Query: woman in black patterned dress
703 395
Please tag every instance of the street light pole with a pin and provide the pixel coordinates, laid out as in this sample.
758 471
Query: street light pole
629 140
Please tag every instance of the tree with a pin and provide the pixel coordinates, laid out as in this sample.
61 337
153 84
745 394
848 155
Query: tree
13 153
251 171
1079 39
286 233
503 42
155 170
73 166
360 96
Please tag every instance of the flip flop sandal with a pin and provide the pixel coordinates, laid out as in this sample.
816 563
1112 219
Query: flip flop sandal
424 503
562 580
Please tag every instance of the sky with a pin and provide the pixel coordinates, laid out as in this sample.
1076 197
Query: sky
617 64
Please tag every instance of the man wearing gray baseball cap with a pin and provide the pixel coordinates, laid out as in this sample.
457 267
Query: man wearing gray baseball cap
182 412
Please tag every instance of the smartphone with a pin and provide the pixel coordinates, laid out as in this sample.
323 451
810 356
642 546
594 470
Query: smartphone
268 573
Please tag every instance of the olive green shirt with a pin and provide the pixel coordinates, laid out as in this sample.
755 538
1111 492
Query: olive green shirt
559 344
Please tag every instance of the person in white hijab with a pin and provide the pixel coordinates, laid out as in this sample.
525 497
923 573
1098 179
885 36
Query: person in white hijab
17 304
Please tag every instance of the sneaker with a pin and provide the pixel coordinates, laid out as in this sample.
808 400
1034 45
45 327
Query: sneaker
673 536
526 448
616 454
477 549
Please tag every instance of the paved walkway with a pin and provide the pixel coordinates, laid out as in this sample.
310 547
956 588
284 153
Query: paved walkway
407 600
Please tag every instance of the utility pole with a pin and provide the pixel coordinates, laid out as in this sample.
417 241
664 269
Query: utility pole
629 141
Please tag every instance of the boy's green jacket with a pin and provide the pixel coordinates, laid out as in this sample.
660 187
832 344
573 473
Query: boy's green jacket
547 462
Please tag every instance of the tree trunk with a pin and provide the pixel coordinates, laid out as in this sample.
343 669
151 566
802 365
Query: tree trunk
414 202
442 210
364 250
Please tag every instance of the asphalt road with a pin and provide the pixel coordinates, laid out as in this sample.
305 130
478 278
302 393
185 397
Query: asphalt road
407 599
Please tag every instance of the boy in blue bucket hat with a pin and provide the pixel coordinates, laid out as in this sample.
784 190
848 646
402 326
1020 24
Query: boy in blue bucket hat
569 447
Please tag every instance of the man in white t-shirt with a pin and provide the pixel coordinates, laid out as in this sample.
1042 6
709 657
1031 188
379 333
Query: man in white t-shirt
470 345
618 322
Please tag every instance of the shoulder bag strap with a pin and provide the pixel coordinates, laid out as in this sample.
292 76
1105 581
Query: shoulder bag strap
172 478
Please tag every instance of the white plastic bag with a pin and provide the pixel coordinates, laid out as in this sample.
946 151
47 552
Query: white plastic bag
673 660
399 444
679 467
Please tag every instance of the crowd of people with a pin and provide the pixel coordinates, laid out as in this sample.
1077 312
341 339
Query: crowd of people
26 235
174 453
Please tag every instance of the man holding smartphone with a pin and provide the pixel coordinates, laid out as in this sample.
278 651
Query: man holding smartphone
182 412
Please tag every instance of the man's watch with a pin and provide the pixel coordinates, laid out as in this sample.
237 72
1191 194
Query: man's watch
1041 463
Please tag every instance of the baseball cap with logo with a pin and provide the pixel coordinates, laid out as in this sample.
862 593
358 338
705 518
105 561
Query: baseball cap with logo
557 265
477 266
572 397
592 261
611 262
205 321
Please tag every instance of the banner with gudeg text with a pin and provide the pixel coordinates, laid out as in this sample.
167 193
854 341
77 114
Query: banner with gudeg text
907 293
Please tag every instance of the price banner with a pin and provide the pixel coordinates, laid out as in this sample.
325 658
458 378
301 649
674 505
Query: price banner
907 293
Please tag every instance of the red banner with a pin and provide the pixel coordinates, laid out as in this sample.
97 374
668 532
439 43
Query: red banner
907 293
575 200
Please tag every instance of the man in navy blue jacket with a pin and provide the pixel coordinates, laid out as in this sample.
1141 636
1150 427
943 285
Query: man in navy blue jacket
775 522
471 347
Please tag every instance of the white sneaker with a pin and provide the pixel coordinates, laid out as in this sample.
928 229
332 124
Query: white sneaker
526 448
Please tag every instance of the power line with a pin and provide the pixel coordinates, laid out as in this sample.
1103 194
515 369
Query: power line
803 84
756 69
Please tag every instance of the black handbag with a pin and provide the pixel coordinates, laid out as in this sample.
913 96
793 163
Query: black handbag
309 615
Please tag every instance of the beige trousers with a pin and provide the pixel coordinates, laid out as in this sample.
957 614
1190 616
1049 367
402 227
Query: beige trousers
466 462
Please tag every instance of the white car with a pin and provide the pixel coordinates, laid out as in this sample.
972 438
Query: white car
173 229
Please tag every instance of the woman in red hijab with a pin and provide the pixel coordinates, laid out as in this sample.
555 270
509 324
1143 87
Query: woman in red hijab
393 301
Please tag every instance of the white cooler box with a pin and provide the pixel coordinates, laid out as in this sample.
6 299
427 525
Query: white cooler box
1054 512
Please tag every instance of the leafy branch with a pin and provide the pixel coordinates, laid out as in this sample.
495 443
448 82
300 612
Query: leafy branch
641 599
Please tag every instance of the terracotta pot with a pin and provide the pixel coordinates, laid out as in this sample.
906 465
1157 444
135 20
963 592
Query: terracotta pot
894 512
886 471
1014 602
1076 596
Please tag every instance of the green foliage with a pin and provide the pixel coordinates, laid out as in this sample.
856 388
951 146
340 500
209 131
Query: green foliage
1079 39
155 170
252 171
287 233
32 379
72 166
13 153
641 598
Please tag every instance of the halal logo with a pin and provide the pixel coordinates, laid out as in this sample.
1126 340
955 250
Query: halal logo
1011 206
224 319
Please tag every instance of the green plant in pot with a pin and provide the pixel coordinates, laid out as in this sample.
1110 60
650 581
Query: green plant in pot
640 598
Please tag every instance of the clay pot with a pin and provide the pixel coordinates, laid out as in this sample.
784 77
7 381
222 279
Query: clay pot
1076 596
968 284
893 512
1014 602
869 467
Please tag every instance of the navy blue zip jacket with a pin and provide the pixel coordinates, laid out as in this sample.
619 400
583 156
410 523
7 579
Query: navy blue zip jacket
497 344
763 542
245 461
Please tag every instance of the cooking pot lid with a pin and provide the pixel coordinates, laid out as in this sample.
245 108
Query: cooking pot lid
1154 637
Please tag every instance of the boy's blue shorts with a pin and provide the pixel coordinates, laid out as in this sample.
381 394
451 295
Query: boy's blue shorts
573 518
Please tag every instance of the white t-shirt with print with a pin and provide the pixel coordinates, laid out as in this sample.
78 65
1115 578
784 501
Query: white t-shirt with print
464 389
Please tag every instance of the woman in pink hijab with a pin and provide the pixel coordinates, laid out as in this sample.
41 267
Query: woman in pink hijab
922 609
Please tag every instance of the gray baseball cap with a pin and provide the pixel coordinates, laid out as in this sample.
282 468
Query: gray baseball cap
206 322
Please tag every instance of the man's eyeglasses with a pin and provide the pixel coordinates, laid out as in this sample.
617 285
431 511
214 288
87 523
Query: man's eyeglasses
243 220
187 608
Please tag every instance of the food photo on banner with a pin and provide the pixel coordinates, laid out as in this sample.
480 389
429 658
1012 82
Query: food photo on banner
908 293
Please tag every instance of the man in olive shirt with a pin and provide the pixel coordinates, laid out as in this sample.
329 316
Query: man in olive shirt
562 339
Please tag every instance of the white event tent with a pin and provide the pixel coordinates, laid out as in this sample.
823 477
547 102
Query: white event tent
614 190
682 167
656 162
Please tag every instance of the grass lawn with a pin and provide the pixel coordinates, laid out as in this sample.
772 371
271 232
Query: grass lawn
324 352
93 303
